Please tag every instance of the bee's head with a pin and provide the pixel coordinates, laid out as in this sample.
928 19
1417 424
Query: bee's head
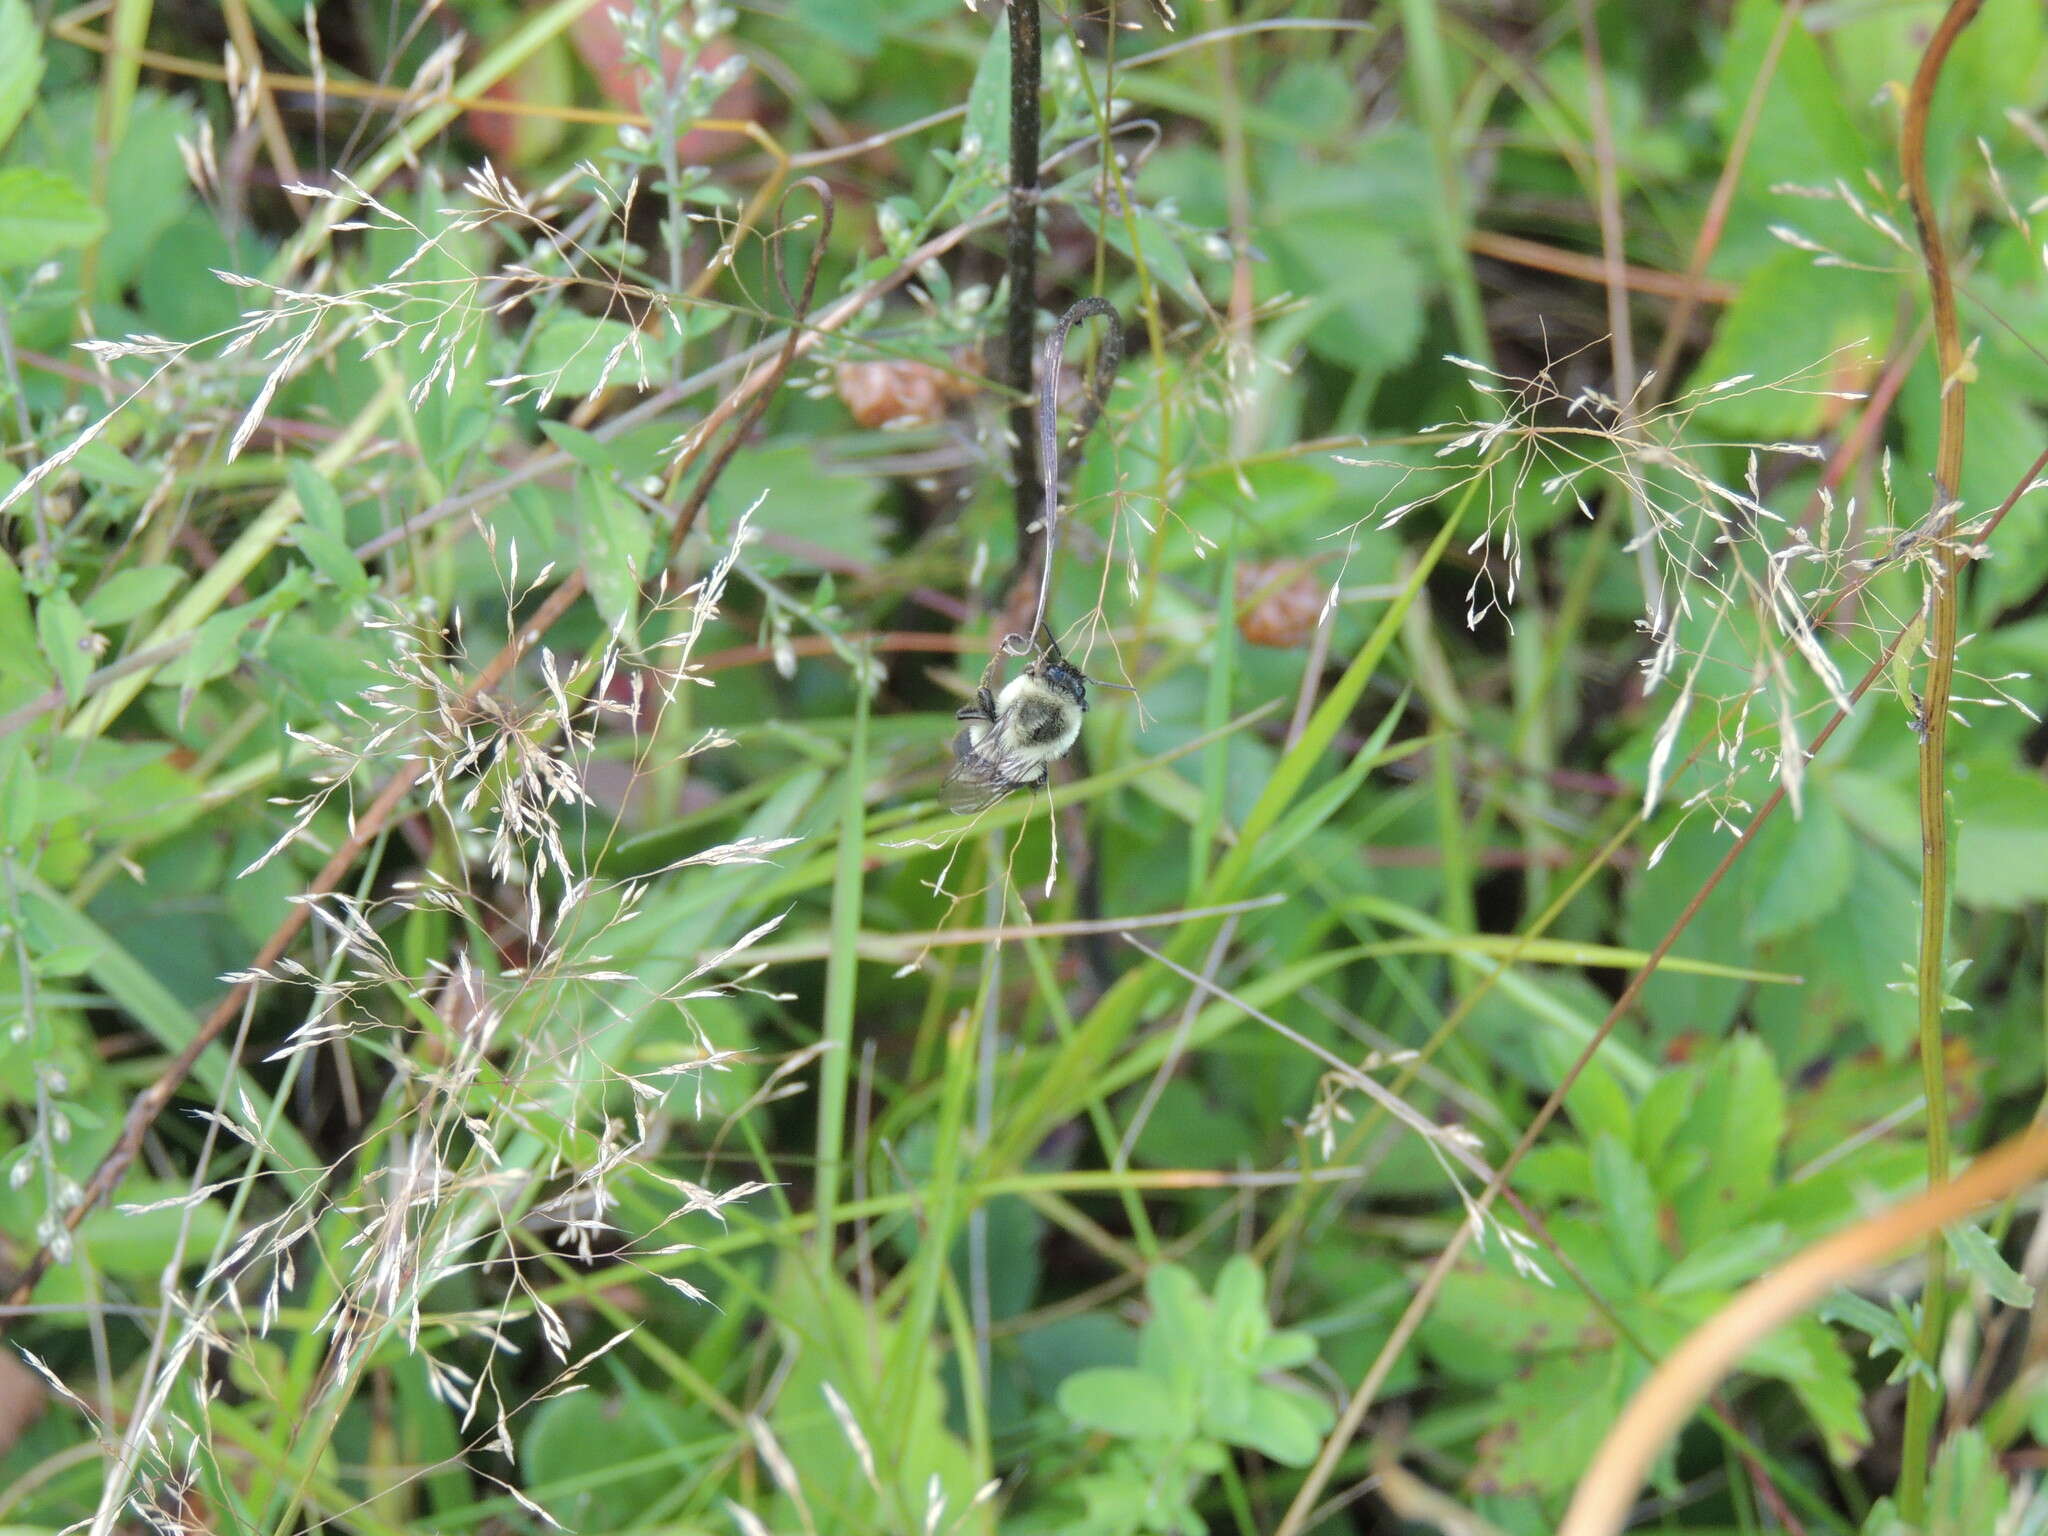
1056 672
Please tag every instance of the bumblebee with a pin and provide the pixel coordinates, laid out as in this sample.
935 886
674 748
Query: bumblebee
1009 740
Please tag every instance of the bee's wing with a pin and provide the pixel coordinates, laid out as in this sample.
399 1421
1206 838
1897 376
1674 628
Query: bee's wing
975 782
982 772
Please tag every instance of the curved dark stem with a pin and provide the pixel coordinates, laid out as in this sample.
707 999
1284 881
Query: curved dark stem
1022 259
1107 361
799 306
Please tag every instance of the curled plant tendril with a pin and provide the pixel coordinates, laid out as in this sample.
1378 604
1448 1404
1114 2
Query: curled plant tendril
1107 360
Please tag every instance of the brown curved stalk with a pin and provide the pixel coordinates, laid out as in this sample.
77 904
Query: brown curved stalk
1608 1490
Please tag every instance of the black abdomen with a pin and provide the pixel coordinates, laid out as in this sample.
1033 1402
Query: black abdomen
1040 723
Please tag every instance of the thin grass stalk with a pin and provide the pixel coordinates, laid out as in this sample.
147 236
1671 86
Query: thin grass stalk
1429 78
1115 192
1931 974
127 31
842 976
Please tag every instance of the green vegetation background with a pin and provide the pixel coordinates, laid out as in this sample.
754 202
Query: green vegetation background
667 1119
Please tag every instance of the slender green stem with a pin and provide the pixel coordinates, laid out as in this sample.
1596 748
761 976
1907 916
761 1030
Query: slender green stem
842 968
1429 78
1931 977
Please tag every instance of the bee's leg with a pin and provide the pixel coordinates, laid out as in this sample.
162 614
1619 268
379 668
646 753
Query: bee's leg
983 707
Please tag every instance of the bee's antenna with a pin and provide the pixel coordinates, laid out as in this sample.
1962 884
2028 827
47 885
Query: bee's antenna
1106 364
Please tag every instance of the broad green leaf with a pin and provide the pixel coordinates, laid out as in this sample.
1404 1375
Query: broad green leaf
1803 118
42 213
1285 1426
1628 1207
1284 1349
1549 1421
800 498
987 127
1895 1332
318 500
1240 1300
576 354
1055 1350
145 177
1134 1404
19 656
1968 1494
1814 328
854 25
67 642
2001 837
1367 290
1726 1261
1877 926
332 558
586 450
1679 1005
1483 1320
18 797
137 1244
216 649
1658 1117
1736 1121
1179 1338
1596 1101
1811 1360
1809 877
1979 1256
21 63
616 545
128 593
600 1463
